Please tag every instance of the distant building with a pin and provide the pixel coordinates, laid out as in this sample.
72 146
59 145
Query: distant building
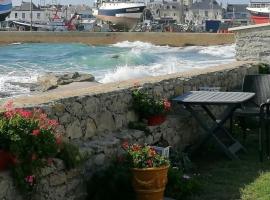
188 3
45 13
23 13
204 10
168 11
237 14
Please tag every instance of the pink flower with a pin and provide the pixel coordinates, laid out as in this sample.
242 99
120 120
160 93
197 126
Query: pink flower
24 113
36 132
53 123
8 105
9 114
167 105
58 140
30 179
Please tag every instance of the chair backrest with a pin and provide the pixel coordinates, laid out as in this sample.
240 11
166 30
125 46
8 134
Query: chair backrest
259 84
210 89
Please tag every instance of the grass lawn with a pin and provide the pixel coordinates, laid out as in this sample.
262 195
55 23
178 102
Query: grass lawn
223 179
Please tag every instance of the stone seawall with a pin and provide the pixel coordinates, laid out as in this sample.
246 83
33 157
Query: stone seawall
96 118
172 39
253 46
104 109
252 43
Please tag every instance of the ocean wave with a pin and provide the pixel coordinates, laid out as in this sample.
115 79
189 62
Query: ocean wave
226 51
121 61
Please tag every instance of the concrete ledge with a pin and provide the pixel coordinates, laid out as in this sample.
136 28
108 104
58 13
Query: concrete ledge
171 39
257 27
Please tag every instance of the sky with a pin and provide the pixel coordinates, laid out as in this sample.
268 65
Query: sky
89 2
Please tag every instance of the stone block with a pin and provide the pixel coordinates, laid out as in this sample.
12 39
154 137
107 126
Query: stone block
91 128
99 159
58 179
73 130
105 122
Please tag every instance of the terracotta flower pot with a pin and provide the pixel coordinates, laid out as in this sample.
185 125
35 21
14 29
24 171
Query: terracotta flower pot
156 120
150 183
5 160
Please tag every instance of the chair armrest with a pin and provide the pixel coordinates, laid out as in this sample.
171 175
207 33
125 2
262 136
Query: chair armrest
263 105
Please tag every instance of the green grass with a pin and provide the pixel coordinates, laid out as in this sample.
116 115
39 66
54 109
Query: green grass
259 189
223 179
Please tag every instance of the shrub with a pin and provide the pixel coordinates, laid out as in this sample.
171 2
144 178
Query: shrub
147 106
264 68
71 155
180 186
32 139
114 182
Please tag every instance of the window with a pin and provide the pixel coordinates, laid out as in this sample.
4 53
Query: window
16 15
174 7
38 15
174 14
206 13
23 15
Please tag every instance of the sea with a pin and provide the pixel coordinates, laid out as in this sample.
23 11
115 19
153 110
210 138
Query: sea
21 64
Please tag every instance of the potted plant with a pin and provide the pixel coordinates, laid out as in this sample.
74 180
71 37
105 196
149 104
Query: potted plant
149 171
29 140
154 110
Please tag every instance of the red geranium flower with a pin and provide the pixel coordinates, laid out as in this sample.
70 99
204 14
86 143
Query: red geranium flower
125 145
36 132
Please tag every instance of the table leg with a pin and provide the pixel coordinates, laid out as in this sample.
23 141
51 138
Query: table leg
218 125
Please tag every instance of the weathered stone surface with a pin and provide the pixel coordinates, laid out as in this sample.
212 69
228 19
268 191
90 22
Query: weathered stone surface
51 81
74 130
58 179
253 45
105 121
91 128
99 159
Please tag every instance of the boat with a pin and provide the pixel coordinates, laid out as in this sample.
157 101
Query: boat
55 24
5 9
260 11
125 14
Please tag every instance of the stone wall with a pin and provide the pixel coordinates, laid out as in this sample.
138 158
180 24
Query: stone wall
96 118
172 39
56 184
252 43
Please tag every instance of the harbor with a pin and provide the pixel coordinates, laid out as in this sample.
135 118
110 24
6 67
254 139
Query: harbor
125 100
111 16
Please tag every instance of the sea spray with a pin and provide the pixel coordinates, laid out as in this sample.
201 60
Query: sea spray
23 63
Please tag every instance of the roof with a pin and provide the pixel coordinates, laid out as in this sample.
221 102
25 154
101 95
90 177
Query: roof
25 6
206 5
237 8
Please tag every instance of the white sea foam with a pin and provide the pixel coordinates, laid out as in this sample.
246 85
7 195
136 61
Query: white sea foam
137 44
226 51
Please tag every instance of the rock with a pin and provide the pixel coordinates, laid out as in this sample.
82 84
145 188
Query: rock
23 85
51 81
4 94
